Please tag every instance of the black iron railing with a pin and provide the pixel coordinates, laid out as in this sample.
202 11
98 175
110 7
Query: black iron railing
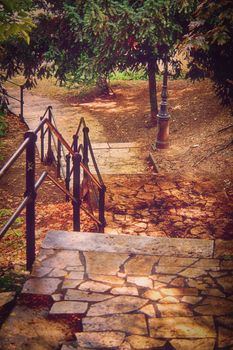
86 186
5 98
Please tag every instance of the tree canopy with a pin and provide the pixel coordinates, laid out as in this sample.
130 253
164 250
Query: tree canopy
15 20
210 45
88 39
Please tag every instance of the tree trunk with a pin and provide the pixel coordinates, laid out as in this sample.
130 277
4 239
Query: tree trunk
152 69
102 85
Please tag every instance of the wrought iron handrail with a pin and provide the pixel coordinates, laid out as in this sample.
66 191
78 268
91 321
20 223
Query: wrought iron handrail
81 122
62 147
20 100
71 152
13 98
73 198
22 205
14 157
87 143
86 148
67 146
49 107
29 145
94 160
12 82
24 202
98 196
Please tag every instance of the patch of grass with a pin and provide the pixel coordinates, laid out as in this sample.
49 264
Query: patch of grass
13 232
228 257
5 212
11 280
129 75
13 240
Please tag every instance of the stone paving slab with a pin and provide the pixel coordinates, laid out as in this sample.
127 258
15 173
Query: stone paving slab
120 158
127 300
129 244
129 323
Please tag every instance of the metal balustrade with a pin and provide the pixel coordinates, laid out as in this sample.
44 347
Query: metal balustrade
54 149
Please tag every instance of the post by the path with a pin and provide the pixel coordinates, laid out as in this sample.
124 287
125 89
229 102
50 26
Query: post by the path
30 191
76 191
50 156
21 103
85 148
102 191
58 158
67 179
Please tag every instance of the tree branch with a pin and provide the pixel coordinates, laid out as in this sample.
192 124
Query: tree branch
213 152
226 128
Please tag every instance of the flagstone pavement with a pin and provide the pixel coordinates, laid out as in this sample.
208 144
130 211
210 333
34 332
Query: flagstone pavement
132 292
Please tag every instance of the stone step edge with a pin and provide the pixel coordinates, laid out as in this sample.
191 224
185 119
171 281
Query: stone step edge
99 242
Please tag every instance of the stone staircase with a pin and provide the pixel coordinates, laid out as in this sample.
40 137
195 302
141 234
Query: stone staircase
131 292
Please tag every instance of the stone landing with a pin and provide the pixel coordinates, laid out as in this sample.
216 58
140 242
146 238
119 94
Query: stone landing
120 158
135 292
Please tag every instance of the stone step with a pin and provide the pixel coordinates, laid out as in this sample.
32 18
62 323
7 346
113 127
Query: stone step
126 244
134 292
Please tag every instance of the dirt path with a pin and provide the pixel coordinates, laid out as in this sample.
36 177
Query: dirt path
67 115
112 157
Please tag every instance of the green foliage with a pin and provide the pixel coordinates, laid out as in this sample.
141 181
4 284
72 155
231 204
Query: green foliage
128 75
5 212
85 41
88 39
14 232
3 127
11 281
228 257
210 45
15 20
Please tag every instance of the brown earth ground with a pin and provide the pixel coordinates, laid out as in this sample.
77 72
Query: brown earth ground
189 197
200 144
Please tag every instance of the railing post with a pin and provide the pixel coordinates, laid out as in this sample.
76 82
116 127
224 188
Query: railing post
50 156
21 103
102 191
58 158
67 179
42 143
75 143
30 191
76 191
85 147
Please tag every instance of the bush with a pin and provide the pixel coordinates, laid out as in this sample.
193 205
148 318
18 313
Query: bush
3 124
